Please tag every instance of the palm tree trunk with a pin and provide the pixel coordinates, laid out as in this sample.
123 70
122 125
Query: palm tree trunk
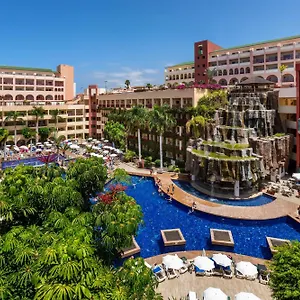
161 151
15 134
30 146
5 150
126 141
139 144
37 130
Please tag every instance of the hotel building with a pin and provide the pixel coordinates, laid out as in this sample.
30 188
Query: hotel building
235 64
23 88
174 143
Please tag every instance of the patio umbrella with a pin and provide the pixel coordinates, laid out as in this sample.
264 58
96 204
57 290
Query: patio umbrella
106 141
172 262
16 148
93 154
38 150
95 148
246 268
204 263
114 155
90 139
222 260
74 146
106 147
214 294
296 176
105 152
246 296
84 143
24 147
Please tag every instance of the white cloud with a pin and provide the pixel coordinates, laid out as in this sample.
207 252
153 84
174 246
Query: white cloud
136 77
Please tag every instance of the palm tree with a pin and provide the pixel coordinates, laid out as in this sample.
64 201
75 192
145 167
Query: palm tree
38 112
28 134
160 120
15 116
210 74
56 117
197 123
127 83
281 70
149 86
3 138
139 121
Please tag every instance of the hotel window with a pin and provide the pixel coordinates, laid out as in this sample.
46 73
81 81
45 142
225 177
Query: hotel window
287 56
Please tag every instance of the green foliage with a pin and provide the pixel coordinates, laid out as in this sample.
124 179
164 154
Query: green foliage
148 161
129 155
121 176
3 135
282 68
221 156
198 125
28 133
115 132
173 168
279 134
50 245
127 83
157 163
149 86
285 275
235 146
90 175
44 133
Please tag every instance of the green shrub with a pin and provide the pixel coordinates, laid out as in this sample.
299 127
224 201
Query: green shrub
129 155
148 162
157 163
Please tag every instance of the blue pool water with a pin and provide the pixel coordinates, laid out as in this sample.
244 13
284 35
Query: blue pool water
31 161
249 236
257 201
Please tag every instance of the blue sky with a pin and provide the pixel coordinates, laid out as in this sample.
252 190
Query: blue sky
117 40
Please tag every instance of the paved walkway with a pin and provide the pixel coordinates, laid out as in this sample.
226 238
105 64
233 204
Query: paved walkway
275 209
179 287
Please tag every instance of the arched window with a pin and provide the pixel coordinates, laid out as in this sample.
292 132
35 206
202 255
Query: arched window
288 78
236 71
177 76
190 75
49 97
181 76
242 71
244 78
8 97
19 97
231 72
174 77
193 75
220 73
30 98
224 72
185 76
223 82
273 78
247 70
233 81
40 97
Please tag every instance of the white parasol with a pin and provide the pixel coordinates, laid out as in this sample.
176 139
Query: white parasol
204 263
105 152
214 294
246 268
222 260
172 262
246 296
74 146
114 155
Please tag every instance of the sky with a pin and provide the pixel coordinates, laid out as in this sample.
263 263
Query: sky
116 40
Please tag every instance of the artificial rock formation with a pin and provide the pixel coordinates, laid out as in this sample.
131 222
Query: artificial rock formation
239 148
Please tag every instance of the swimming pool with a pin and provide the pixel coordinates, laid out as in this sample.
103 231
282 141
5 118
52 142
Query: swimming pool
249 236
257 201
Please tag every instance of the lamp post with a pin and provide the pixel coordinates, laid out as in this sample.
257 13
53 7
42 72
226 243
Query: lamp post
105 84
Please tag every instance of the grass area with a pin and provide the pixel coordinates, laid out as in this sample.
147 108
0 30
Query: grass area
220 156
227 145
279 134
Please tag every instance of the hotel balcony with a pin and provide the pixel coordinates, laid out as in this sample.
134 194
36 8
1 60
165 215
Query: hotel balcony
271 50
259 52
213 59
287 48
244 54
297 46
233 56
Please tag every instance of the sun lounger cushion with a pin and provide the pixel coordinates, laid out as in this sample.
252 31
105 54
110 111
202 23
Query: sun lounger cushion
197 270
157 269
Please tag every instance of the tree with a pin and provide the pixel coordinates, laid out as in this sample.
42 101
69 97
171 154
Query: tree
149 86
15 116
285 275
90 175
115 132
210 73
127 83
3 138
28 134
281 70
56 117
38 112
197 124
161 120
44 133
139 121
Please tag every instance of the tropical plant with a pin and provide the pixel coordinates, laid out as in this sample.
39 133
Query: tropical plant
38 112
15 116
161 120
285 275
281 70
115 132
44 133
3 138
56 117
149 86
129 155
139 119
127 83
210 73
197 124
121 176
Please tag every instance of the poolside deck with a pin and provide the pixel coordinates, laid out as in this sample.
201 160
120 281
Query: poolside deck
179 287
276 209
